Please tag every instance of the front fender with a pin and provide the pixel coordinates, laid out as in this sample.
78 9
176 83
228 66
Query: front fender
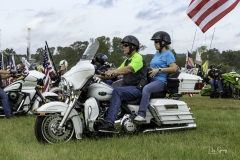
54 89
51 94
60 107
44 94
52 107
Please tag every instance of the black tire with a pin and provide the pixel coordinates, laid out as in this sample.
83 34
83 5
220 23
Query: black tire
235 93
46 129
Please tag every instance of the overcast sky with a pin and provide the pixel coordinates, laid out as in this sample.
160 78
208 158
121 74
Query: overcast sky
61 23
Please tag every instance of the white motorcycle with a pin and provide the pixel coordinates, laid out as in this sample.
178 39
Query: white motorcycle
89 99
25 94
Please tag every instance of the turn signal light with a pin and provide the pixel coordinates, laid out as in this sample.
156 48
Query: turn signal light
198 86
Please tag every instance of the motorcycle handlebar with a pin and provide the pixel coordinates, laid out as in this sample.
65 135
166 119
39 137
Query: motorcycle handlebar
100 73
103 73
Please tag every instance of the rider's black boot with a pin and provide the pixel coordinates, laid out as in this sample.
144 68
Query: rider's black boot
106 127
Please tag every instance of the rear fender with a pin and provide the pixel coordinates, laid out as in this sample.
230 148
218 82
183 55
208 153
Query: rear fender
60 107
44 94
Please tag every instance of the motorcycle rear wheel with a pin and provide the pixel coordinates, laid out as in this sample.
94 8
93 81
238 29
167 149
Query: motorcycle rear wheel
46 129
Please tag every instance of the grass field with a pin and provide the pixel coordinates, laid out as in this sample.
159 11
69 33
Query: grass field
216 137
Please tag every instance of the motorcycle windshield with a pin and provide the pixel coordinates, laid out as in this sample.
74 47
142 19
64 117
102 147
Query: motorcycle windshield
90 50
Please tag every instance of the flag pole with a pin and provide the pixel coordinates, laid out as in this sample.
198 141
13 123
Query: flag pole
193 40
50 55
210 44
2 62
212 39
172 39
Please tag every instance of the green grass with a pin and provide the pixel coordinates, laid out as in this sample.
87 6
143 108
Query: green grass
217 129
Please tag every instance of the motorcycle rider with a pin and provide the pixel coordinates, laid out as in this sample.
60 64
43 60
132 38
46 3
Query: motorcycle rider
3 96
133 70
63 64
99 61
213 80
220 72
162 63
56 78
101 64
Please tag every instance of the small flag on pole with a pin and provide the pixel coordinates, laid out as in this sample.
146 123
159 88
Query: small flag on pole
47 70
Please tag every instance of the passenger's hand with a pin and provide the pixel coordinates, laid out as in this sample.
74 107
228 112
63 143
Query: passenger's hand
153 72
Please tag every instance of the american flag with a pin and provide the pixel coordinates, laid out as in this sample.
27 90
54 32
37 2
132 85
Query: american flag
1 63
2 68
26 65
9 64
205 13
189 60
189 66
47 69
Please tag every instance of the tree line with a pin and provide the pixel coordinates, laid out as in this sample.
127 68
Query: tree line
114 50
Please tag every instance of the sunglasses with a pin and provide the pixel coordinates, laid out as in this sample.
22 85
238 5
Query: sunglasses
156 42
125 45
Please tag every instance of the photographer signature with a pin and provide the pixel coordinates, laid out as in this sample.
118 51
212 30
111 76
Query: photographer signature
211 150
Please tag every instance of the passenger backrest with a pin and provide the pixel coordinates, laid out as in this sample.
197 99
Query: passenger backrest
172 83
171 86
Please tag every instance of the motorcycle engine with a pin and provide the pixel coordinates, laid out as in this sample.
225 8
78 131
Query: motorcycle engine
15 98
127 124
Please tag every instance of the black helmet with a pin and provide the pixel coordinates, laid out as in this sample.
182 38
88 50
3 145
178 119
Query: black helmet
101 58
162 36
131 40
219 66
212 66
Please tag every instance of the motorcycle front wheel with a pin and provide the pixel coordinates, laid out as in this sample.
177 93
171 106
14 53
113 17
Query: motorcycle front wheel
235 93
46 129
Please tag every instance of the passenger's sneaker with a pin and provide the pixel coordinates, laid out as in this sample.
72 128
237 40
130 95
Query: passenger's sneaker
139 119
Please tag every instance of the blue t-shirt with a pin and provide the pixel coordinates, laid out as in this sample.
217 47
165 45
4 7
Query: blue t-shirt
162 60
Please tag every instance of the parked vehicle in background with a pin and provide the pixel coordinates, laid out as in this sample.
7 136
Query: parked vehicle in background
230 83
25 93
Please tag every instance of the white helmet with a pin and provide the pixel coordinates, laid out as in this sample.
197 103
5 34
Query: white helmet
63 62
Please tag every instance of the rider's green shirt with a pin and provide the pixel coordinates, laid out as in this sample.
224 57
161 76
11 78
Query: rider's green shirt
136 62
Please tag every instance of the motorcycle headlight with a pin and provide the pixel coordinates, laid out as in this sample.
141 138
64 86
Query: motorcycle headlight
63 85
69 87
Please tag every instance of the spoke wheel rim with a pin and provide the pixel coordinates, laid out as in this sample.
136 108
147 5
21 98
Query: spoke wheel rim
52 134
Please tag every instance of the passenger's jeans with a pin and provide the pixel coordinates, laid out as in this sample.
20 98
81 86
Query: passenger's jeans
155 86
119 94
5 102
215 82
